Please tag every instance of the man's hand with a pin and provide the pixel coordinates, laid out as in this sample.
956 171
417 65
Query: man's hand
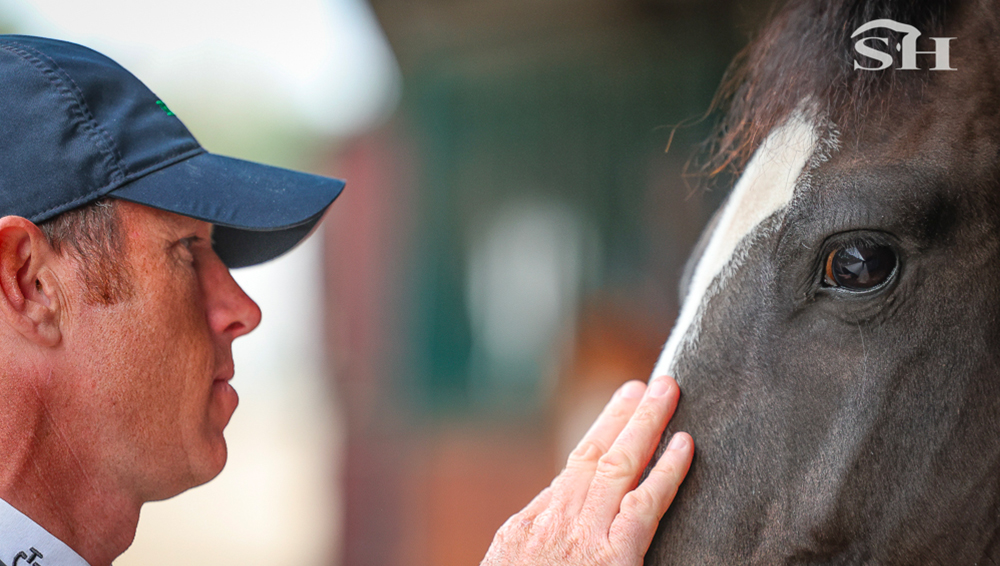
594 513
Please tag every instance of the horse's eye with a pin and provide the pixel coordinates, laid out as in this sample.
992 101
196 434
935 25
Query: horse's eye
859 267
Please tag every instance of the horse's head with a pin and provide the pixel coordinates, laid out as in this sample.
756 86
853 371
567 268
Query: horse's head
838 348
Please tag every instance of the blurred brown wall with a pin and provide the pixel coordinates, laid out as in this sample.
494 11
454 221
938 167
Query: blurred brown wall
569 101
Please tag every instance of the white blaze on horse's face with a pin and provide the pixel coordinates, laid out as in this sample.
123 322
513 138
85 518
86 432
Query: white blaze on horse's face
766 186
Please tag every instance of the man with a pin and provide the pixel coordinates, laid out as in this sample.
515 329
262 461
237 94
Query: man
118 311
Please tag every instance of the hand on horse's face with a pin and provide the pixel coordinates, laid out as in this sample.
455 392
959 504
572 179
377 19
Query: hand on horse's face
594 513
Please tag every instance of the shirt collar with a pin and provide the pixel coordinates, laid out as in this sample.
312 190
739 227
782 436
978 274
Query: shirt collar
24 543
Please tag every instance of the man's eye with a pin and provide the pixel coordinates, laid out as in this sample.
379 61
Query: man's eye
859 267
185 248
190 241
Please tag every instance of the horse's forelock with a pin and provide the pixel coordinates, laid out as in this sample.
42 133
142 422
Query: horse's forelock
807 53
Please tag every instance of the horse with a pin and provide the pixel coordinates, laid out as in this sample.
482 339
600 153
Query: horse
838 344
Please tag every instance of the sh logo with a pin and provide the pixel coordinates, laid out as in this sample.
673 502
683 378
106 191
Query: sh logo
908 47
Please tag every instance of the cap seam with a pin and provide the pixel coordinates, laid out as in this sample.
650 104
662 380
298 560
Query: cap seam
57 76
116 185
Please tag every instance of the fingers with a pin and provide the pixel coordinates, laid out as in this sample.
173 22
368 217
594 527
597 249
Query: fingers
642 508
618 471
573 483
593 513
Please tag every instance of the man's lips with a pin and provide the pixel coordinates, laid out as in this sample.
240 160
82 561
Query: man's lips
226 373
223 392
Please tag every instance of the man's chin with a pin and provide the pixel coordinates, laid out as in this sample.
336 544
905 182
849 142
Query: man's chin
200 472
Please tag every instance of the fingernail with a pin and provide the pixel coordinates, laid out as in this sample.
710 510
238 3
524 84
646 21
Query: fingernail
658 388
632 390
678 442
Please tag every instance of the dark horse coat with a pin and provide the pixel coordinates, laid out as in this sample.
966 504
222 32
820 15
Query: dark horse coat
839 344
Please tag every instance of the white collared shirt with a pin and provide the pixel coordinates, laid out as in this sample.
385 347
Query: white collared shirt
24 543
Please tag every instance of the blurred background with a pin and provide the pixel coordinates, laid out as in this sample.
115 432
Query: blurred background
505 255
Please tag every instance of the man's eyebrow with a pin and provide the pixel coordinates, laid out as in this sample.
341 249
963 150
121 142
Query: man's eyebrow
183 223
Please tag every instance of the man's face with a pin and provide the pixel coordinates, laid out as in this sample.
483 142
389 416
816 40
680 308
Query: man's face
153 369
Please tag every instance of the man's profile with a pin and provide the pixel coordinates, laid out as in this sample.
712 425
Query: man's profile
117 235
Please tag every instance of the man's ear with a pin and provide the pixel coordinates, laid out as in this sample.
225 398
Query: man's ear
29 296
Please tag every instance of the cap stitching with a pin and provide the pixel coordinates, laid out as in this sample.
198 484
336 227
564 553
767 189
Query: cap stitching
119 184
75 95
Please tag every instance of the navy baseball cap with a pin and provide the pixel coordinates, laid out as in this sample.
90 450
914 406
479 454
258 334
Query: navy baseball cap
75 127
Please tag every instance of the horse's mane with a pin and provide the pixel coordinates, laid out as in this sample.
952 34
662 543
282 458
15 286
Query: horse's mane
806 53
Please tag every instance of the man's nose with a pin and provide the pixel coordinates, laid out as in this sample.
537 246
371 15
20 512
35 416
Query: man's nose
230 310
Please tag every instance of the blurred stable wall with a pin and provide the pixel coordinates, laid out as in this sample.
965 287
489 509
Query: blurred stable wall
508 249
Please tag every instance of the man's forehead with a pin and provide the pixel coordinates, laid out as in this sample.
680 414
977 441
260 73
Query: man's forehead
139 216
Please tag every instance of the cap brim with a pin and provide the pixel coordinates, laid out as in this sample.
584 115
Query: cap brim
259 211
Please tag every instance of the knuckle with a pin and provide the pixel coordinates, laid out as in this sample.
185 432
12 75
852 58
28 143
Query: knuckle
517 525
621 410
617 463
546 524
639 503
545 535
666 472
647 415
587 452
513 534
627 536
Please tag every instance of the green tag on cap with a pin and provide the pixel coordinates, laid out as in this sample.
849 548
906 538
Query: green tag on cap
164 107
